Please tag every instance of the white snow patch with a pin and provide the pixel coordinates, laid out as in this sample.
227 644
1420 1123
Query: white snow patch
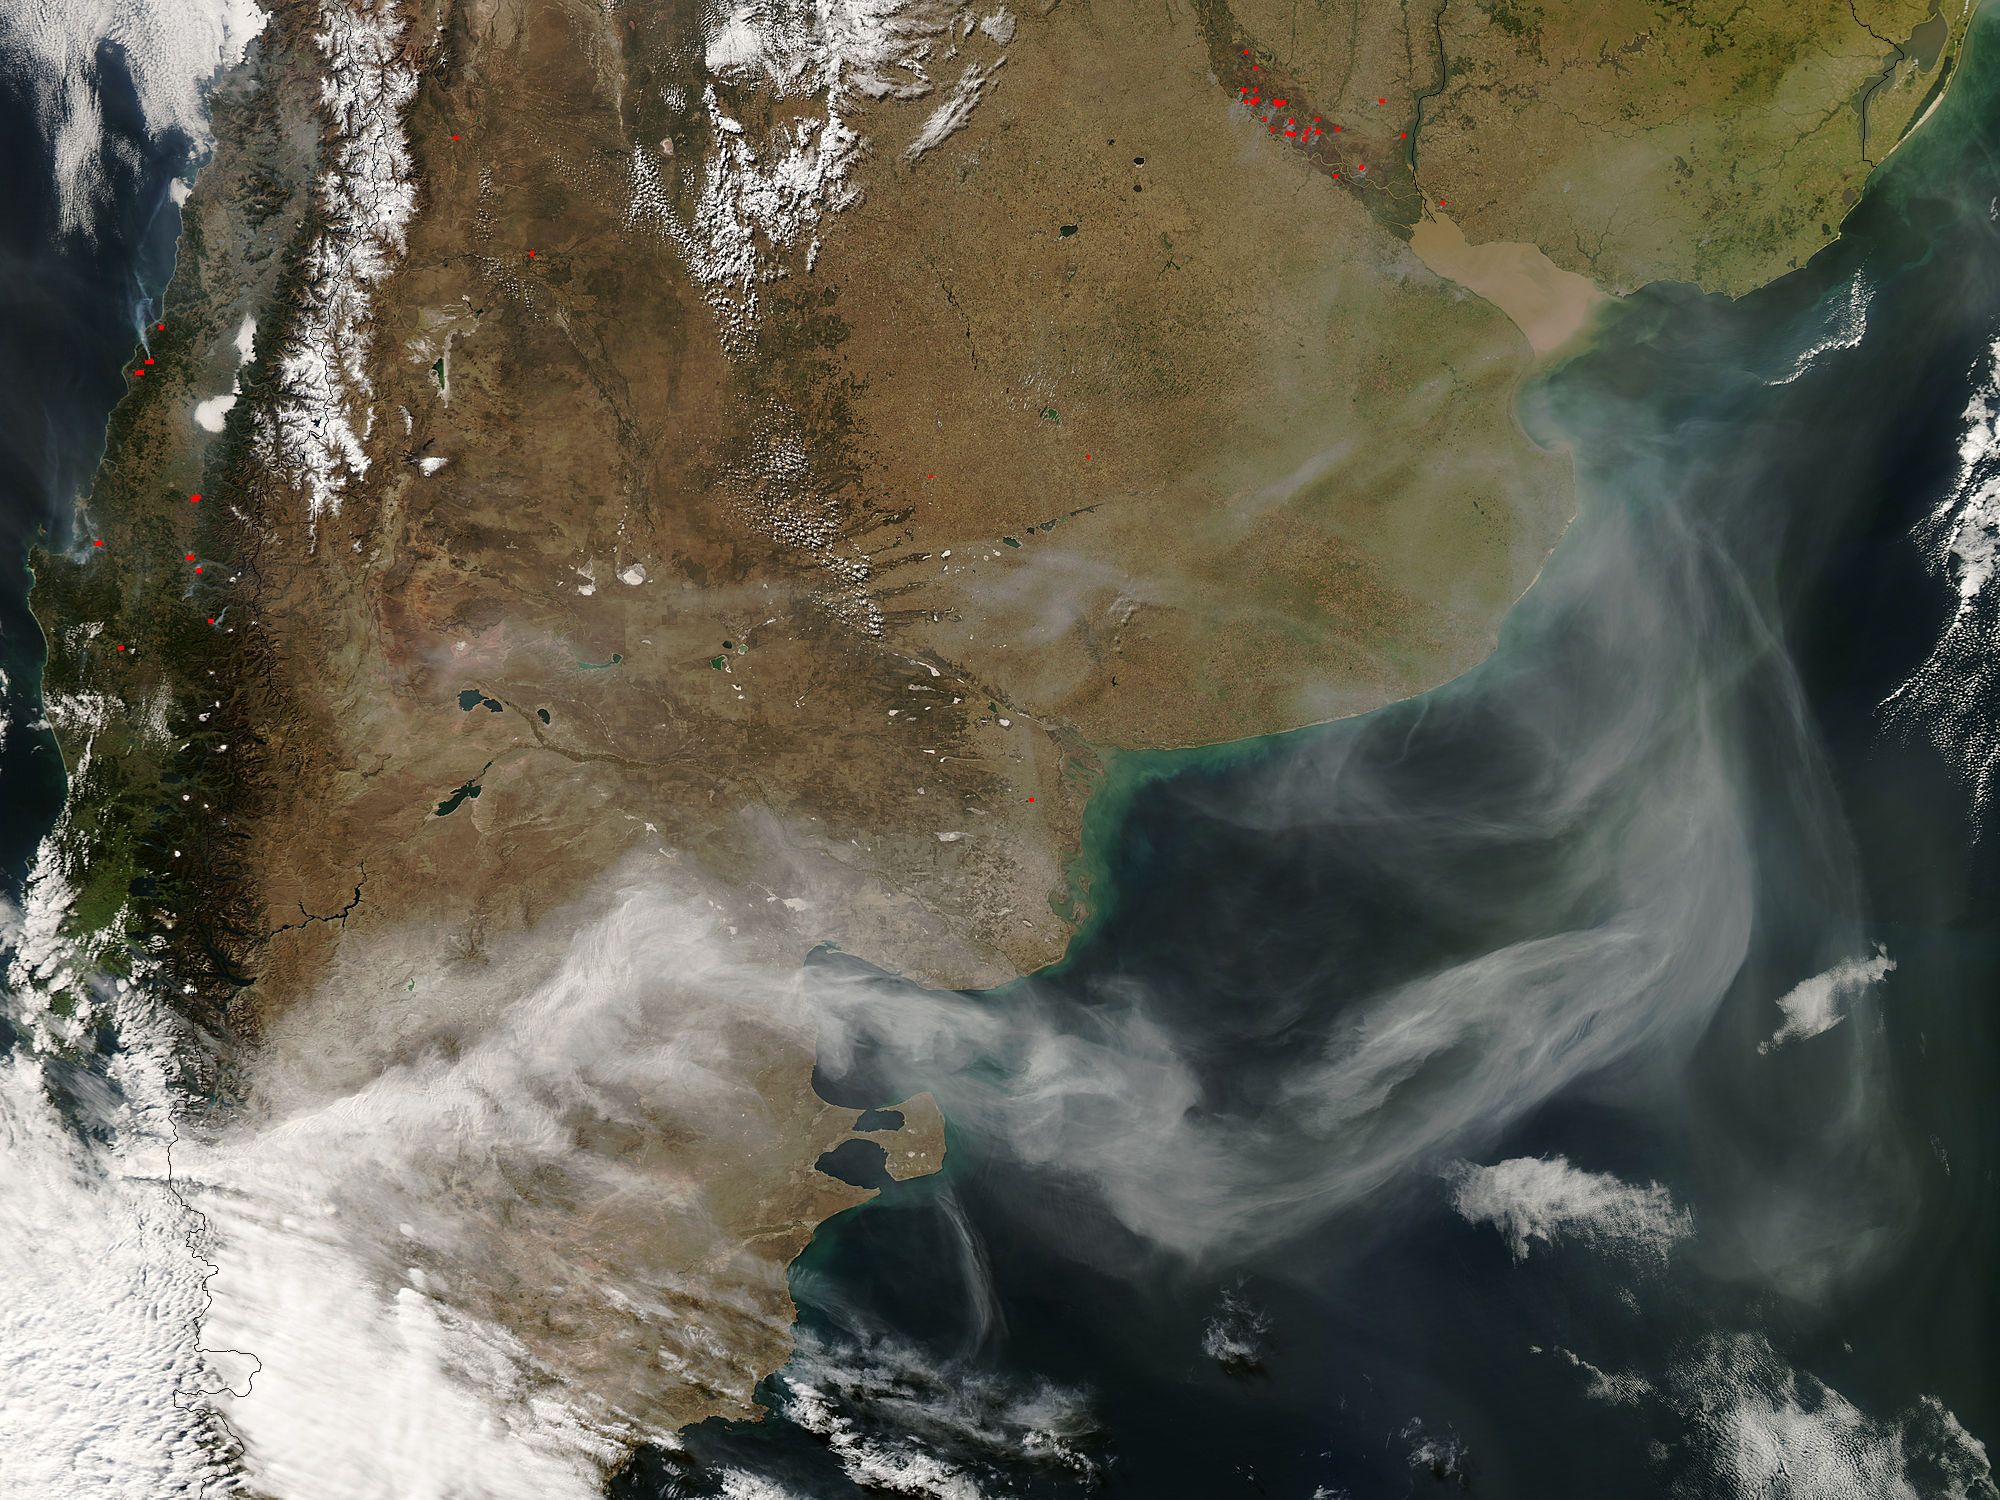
311 436
1537 1198
432 464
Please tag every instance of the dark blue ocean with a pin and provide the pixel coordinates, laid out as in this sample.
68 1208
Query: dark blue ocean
72 310
1205 1228
1208 1227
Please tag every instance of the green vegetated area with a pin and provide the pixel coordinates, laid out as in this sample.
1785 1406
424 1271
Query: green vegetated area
155 679
1388 190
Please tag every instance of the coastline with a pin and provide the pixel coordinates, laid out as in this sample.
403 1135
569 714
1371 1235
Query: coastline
171 911
1556 311
130 646
852 1271
58 413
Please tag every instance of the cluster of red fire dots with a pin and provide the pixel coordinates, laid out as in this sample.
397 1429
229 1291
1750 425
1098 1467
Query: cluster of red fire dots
189 557
193 499
1289 125
142 369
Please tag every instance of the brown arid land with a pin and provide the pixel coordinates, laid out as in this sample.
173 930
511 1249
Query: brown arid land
751 540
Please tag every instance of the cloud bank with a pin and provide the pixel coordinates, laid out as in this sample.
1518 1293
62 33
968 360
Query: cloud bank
173 48
1811 1007
1531 1198
1776 1433
479 1239
101 1286
483 1224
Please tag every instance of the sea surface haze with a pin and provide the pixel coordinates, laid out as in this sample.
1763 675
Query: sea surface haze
1574 1081
100 1294
75 300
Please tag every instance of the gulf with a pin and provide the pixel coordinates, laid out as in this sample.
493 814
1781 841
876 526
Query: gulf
1175 1252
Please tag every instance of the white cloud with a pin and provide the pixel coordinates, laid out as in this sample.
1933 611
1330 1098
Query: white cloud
1619 1389
1948 698
212 414
1811 1006
1234 1336
1768 1431
737 1485
100 1291
955 113
1845 324
1443 1455
367 1389
452 1293
760 200
426 1260
1536 1198
752 209
174 48
905 1424
1775 1433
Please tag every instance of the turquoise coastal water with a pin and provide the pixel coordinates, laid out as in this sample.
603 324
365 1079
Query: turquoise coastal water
1578 1081
1221 1215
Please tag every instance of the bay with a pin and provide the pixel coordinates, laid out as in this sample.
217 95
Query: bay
1420 1111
